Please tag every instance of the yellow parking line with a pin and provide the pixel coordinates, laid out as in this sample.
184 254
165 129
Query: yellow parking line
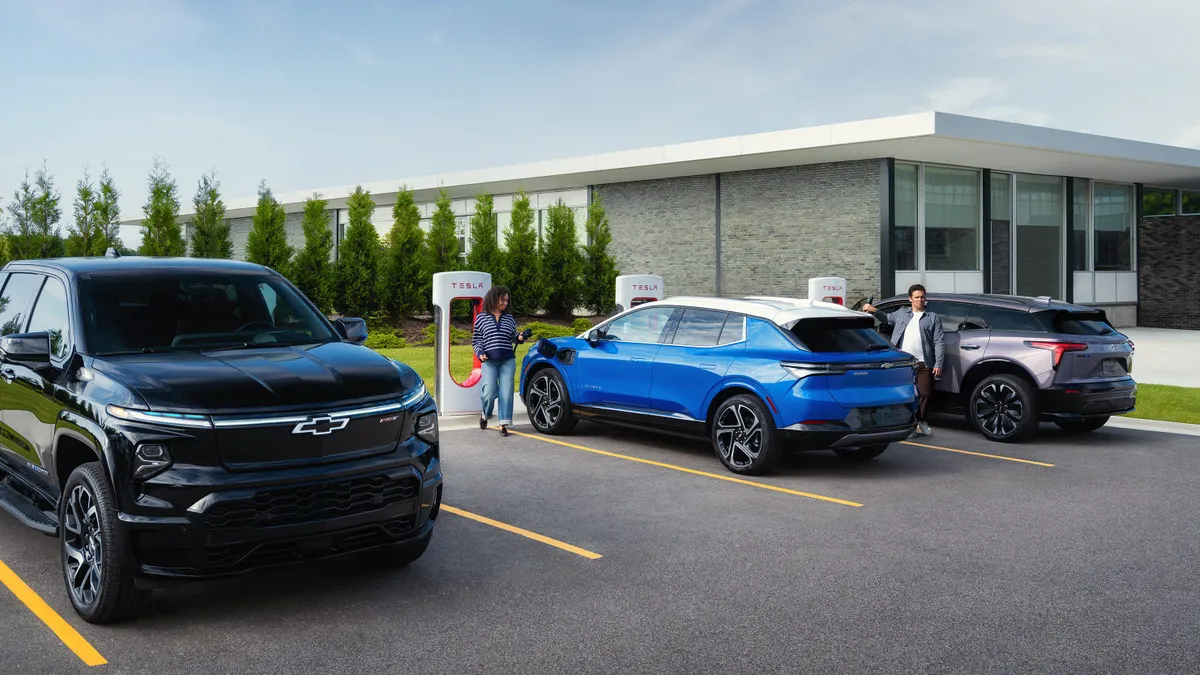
524 533
684 469
977 454
72 639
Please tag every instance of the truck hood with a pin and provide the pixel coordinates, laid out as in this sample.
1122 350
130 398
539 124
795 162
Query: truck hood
230 381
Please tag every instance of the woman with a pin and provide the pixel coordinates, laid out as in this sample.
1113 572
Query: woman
495 335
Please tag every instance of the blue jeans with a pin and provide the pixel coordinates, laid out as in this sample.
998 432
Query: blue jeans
498 384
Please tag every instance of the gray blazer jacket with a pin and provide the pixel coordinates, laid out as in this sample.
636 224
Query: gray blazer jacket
932 335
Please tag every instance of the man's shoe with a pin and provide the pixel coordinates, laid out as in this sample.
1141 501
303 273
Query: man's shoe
924 428
503 431
482 422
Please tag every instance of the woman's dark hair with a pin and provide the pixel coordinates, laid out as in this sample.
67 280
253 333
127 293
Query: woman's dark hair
493 298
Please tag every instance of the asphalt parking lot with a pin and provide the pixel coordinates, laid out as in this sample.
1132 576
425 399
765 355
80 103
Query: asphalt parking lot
615 551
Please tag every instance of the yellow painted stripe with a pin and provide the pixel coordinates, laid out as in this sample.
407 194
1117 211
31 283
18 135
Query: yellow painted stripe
684 469
977 454
524 533
72 639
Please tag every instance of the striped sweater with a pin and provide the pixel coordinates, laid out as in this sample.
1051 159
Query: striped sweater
494 339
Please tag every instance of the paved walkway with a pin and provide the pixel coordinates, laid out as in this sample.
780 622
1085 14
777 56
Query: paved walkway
1163 356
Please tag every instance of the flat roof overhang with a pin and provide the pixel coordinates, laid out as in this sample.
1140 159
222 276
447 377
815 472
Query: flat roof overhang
932 137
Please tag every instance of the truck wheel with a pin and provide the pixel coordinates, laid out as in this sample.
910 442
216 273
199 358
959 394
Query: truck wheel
100 586
400 555
862 454
549 403
743 435
1003 408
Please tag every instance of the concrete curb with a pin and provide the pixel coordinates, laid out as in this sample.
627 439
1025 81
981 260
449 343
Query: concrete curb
454 422
1155 425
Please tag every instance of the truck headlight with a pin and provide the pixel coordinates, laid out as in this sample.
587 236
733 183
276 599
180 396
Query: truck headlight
427 427
149 460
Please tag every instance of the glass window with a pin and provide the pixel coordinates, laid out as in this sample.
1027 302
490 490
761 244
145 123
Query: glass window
1040 223
952 208
999 318
904 241
699 328
956 316
1191 203
18 293
178 310
1001 233
1113 218
1079 226
734 330
503 222
644 325
1075 323
850 335
51 315
1158 202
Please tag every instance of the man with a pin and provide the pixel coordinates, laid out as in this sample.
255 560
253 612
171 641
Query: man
919 333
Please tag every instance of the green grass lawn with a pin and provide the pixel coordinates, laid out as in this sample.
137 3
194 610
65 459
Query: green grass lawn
1155 401
421 360
1167 404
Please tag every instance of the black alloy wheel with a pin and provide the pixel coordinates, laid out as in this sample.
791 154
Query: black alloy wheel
1003 409
743 435
548 403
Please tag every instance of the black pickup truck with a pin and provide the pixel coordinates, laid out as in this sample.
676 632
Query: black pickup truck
174 419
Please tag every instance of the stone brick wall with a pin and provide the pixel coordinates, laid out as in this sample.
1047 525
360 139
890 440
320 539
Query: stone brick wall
665 227
1169 271
779 227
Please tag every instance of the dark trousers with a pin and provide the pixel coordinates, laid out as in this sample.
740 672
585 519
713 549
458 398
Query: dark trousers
924 390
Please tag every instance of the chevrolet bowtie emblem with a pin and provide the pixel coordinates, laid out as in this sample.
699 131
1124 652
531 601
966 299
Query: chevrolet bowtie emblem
321 426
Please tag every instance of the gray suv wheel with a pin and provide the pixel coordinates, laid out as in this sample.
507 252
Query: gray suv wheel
1003 408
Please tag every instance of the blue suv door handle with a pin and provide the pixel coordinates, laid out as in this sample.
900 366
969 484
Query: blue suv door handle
708 366
970 347
638 358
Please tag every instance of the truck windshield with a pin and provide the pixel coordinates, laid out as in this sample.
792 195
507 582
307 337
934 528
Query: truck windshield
167 311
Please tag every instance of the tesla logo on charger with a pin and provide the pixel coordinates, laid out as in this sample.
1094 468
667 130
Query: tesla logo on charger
467 285
832 288
645 287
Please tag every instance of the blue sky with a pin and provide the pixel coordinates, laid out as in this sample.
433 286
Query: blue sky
315 94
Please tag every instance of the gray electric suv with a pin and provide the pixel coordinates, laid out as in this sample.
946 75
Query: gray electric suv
1012 362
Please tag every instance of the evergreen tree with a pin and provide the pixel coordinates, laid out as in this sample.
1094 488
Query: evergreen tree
85 237
5 237
267 243
210 235
485 254
358 264
108 213
23 242
561 262
162 234
599 269
313 269
44 216
443 247
406 282
523 274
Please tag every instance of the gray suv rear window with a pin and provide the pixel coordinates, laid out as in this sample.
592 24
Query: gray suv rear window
999 318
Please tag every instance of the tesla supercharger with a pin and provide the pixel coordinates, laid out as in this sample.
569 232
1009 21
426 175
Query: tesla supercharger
827 289
454 397
637 289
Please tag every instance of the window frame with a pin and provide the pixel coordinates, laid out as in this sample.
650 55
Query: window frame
69 340
673 327
667 332
981 217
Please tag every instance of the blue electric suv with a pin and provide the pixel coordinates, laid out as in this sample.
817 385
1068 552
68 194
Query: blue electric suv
755 376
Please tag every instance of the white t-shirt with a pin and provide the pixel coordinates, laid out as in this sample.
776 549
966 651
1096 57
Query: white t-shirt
911 342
